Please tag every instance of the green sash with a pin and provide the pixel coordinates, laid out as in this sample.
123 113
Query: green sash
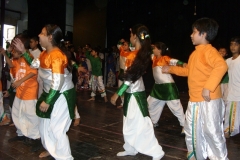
165 91
70 96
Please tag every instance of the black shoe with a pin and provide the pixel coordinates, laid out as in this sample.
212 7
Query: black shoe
36 145
17 138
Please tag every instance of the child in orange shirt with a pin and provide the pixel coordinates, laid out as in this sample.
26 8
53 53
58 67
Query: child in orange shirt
204 116
24 105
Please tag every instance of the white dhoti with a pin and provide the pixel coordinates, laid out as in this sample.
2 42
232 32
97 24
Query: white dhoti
97 83
25 118
224 89
232 118
53 131
155 108
138 132
204 130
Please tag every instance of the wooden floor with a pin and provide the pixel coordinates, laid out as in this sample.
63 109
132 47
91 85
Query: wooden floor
99 136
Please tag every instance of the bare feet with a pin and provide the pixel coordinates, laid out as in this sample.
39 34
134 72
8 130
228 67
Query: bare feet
91 99
119 106
76 122
44 154
227 135
12 125
5 121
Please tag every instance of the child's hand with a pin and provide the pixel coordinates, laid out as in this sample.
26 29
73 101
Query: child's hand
19 46
165 69
206 95
114 99
6 94
184 65
82 69
44 107
16 84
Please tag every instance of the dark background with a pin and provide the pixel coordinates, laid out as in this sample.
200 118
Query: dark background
104 22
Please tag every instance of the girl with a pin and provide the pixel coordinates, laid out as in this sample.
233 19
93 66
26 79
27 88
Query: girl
164 90
96 77
137 126
123 47
56 105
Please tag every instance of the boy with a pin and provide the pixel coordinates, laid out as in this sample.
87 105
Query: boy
232 117
204 116
24 105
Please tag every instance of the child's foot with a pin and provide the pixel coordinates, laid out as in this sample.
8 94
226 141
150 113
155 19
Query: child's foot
44 154
12 125
227 135
5 121
91 99
125 153
119 106
76 122
182 133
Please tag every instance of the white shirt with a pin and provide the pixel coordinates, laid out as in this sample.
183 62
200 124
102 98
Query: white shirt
234 79
35 53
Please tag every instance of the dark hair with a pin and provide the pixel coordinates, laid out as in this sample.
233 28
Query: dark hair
208 26
235 39
96 49
162 46
35 38
57 36
142 59
25 39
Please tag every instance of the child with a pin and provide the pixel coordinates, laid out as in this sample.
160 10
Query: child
123 47
204 116
232 116
23 109
96 77
164 90
224 82
56 105
137 126
83 77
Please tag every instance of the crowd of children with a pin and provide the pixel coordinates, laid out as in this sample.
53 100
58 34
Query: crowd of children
44 80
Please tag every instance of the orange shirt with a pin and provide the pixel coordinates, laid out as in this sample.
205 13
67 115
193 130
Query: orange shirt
130 58
205 69
28 90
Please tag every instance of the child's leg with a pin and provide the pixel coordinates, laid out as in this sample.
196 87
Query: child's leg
101 88
77 117
212 115
93 87
155 108
176 108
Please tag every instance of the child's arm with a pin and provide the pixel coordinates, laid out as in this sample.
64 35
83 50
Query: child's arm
9 62
20 81
122 89
180 71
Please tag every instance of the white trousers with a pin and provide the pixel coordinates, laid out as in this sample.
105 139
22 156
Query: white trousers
155 108
204 130
1 107
97 83
232 118
224 89
53 131
25 118
76 113
139 133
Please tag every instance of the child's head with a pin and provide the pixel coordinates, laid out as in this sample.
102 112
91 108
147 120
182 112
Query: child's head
95 51
223 51
235 45
34 42
160 49
126 46
140 34
204 30
25 40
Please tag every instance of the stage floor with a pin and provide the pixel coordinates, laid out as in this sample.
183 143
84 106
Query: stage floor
99 135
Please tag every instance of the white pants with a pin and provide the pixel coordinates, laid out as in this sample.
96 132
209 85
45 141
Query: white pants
232 118
224 89
53 131
122 97
138 132
204 130
76 113
97 83
25 118
155 108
